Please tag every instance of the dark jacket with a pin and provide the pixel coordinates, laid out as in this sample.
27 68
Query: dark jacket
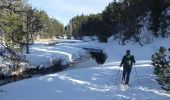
127 61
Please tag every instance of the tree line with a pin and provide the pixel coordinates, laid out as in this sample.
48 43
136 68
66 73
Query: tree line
21 24
121 19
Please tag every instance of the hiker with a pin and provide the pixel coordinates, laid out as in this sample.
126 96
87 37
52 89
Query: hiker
127 62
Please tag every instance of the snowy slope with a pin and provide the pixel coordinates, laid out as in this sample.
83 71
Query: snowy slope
96 83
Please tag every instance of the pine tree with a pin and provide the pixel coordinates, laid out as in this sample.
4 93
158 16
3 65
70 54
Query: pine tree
162 68
157 7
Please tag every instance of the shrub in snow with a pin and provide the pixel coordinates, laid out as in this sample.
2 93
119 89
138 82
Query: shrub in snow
5 70
12 69
100 57
10 61
162 67
56 63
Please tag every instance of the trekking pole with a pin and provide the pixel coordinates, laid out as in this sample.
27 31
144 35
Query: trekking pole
136 73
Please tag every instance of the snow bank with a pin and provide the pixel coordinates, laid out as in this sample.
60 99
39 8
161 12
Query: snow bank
90 38
42 55
66 50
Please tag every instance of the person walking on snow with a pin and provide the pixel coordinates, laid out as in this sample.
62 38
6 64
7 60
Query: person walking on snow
127 62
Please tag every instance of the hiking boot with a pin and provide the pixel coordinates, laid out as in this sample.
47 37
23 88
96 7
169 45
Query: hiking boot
126 85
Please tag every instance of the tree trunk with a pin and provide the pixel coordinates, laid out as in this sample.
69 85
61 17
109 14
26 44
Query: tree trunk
27 38
137 38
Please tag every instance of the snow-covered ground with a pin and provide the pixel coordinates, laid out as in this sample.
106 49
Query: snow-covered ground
92 83
69 51
43 55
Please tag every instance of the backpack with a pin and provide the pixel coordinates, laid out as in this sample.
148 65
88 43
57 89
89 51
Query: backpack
129 60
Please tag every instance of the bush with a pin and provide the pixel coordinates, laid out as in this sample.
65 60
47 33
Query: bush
56 64
11 61
161 65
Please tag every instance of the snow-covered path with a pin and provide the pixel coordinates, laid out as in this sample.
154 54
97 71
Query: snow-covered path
143 86
88 84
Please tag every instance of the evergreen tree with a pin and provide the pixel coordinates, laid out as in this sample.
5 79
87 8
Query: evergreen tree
165 22
162 68
11 29
122 20
156 10
11 23
54 28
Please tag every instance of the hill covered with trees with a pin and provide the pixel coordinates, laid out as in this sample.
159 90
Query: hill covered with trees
124 20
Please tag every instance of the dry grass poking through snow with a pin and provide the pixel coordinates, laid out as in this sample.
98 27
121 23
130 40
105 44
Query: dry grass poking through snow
45 40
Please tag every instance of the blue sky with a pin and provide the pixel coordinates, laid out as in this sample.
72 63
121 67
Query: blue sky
64 10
